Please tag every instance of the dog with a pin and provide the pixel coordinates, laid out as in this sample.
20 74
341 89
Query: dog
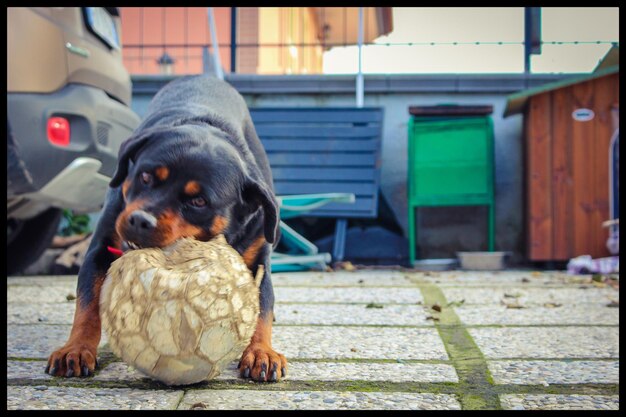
194 167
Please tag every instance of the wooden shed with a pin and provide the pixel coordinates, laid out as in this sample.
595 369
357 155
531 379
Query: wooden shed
567 134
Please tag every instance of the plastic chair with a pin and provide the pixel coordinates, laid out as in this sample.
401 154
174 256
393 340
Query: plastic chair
302 254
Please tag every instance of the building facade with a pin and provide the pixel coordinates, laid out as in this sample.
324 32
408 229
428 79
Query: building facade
267 40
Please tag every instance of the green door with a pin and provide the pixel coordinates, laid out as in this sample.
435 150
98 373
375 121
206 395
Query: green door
450 164
451 161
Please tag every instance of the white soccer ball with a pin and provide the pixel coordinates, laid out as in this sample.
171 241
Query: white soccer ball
180 314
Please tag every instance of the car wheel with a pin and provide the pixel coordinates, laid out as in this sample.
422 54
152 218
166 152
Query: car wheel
28 239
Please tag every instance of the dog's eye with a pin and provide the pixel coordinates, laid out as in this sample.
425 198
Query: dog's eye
198 202
146 178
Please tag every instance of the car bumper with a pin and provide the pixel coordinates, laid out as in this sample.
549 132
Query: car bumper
74 176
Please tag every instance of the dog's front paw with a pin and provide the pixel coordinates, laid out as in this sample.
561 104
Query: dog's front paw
262 363
73 359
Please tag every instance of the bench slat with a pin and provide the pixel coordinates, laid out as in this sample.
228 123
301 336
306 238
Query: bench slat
316 187
326 115
325 173
298 159
369 145
317 131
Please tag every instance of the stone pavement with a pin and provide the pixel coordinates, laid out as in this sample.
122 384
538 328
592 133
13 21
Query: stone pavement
367 339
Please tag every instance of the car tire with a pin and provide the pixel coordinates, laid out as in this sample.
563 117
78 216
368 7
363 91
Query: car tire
30 239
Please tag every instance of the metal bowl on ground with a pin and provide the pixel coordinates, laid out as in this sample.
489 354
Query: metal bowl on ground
482 261
435 264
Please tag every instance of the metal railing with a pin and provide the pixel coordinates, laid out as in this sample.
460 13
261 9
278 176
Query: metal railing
196 58
293 57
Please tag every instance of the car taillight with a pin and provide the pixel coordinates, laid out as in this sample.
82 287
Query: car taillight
59 131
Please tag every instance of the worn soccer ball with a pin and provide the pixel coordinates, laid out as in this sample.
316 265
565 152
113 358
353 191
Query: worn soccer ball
180 314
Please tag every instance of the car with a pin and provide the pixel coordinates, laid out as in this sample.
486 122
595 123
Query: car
68 111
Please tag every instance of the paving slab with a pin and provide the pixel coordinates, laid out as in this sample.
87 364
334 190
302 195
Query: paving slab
45 313
559 402
32 370
341 342
531 295
471 279
547 342
69 398
349 356
38 341
343 279
348 295
380 314
37 294
303 371
340 314
377 313
391 372
314 400
42 281
119 371
555 372
586 314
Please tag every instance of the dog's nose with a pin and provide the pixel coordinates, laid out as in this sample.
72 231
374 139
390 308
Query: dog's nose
141 221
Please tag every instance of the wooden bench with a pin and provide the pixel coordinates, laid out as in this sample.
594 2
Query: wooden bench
325 150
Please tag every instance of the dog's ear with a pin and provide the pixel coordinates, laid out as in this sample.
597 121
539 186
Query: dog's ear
128 150
256 194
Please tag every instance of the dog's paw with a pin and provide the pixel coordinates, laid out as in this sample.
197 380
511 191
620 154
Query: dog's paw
262 363
72 360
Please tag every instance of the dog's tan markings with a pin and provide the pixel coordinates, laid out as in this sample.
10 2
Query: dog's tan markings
172 227
250 254
219 225
162 173
260 357
192 188
125 188
80 350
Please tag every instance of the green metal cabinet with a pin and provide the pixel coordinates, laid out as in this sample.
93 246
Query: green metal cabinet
450 164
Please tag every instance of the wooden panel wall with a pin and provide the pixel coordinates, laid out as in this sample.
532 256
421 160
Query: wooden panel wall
606 94
584 146
567 166
562 177
539 145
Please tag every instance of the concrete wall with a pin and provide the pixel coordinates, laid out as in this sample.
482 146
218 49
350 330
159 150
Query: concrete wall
441 231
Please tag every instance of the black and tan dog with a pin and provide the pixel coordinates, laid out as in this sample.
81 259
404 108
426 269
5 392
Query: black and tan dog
194 168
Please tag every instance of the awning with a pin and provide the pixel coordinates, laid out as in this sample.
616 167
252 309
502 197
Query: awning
340 24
